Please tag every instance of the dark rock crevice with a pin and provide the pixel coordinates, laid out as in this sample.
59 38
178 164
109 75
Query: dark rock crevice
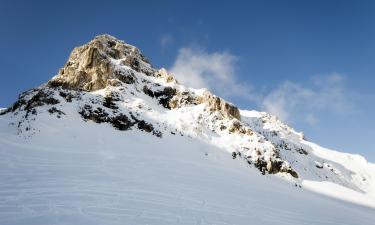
54 110
39 99
120 121
164 96
273 167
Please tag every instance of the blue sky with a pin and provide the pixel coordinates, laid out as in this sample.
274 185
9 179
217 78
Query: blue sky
309 62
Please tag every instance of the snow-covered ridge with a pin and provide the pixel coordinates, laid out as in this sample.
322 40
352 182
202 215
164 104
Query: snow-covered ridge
319 168
110 83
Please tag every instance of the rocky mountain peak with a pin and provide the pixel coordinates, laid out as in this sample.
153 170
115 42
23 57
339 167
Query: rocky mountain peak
109 81
92 66
106 61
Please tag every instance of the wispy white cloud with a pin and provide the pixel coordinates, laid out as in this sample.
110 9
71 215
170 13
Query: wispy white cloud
294 102
216 71
290 101
311 119
166 40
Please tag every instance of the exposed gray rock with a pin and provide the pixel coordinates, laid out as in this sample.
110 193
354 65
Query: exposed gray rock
54 110
183 99
117 120
168 77
90 67
218 104
164 95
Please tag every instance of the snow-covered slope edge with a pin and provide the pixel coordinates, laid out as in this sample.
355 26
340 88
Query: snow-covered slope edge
341 175
112 137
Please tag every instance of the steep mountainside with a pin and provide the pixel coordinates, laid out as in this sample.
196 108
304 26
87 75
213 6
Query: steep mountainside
110 139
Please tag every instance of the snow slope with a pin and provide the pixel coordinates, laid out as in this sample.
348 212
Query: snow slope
109 177
111 140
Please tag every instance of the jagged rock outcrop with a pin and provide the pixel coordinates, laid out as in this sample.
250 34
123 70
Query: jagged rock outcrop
218 104
277 166
93 66
214 103
168 77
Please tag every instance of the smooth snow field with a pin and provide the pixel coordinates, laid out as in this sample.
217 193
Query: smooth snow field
93 174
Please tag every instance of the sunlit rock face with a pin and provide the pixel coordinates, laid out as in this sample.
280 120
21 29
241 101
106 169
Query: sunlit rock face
93 66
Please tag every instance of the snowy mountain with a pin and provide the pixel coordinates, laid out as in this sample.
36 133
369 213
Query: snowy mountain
112 140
